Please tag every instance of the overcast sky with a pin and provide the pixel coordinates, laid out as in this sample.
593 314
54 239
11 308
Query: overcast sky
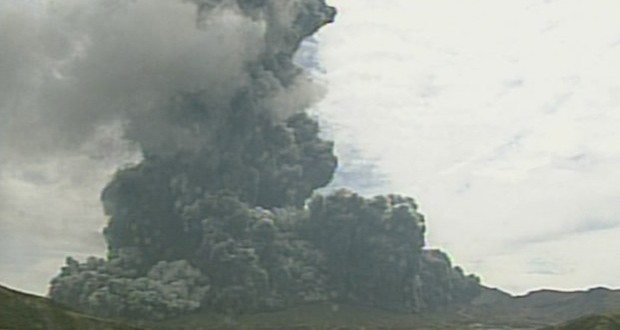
499 117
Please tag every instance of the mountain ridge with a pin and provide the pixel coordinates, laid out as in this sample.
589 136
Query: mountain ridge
595 308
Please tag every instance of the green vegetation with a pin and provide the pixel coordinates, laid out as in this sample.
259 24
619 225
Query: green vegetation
19 311
592 322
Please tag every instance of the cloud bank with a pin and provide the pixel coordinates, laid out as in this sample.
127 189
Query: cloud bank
500 118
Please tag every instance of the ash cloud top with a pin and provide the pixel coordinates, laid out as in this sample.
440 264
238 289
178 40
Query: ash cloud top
71 67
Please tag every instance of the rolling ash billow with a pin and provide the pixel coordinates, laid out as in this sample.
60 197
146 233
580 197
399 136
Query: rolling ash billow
220 214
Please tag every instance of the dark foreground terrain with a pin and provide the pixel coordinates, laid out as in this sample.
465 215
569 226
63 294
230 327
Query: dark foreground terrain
492 310
592 322
19 311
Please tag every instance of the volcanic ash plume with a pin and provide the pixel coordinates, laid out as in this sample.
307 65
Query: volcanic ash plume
73 66
215 215
208 91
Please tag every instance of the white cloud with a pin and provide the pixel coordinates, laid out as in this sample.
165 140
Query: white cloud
499 117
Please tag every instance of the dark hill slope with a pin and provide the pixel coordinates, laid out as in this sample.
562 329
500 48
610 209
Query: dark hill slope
493 309
20 311
592 322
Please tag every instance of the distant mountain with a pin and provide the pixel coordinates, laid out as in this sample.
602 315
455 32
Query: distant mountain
20 311
541 308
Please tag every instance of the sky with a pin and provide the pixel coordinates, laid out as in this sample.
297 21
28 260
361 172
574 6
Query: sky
499 118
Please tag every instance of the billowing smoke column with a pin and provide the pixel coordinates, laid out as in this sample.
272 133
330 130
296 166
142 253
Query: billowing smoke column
216 215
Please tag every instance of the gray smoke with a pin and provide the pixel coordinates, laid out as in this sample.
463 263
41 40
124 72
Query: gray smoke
72 67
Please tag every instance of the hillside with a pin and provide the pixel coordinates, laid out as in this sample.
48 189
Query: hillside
492 309
19 311
592 322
